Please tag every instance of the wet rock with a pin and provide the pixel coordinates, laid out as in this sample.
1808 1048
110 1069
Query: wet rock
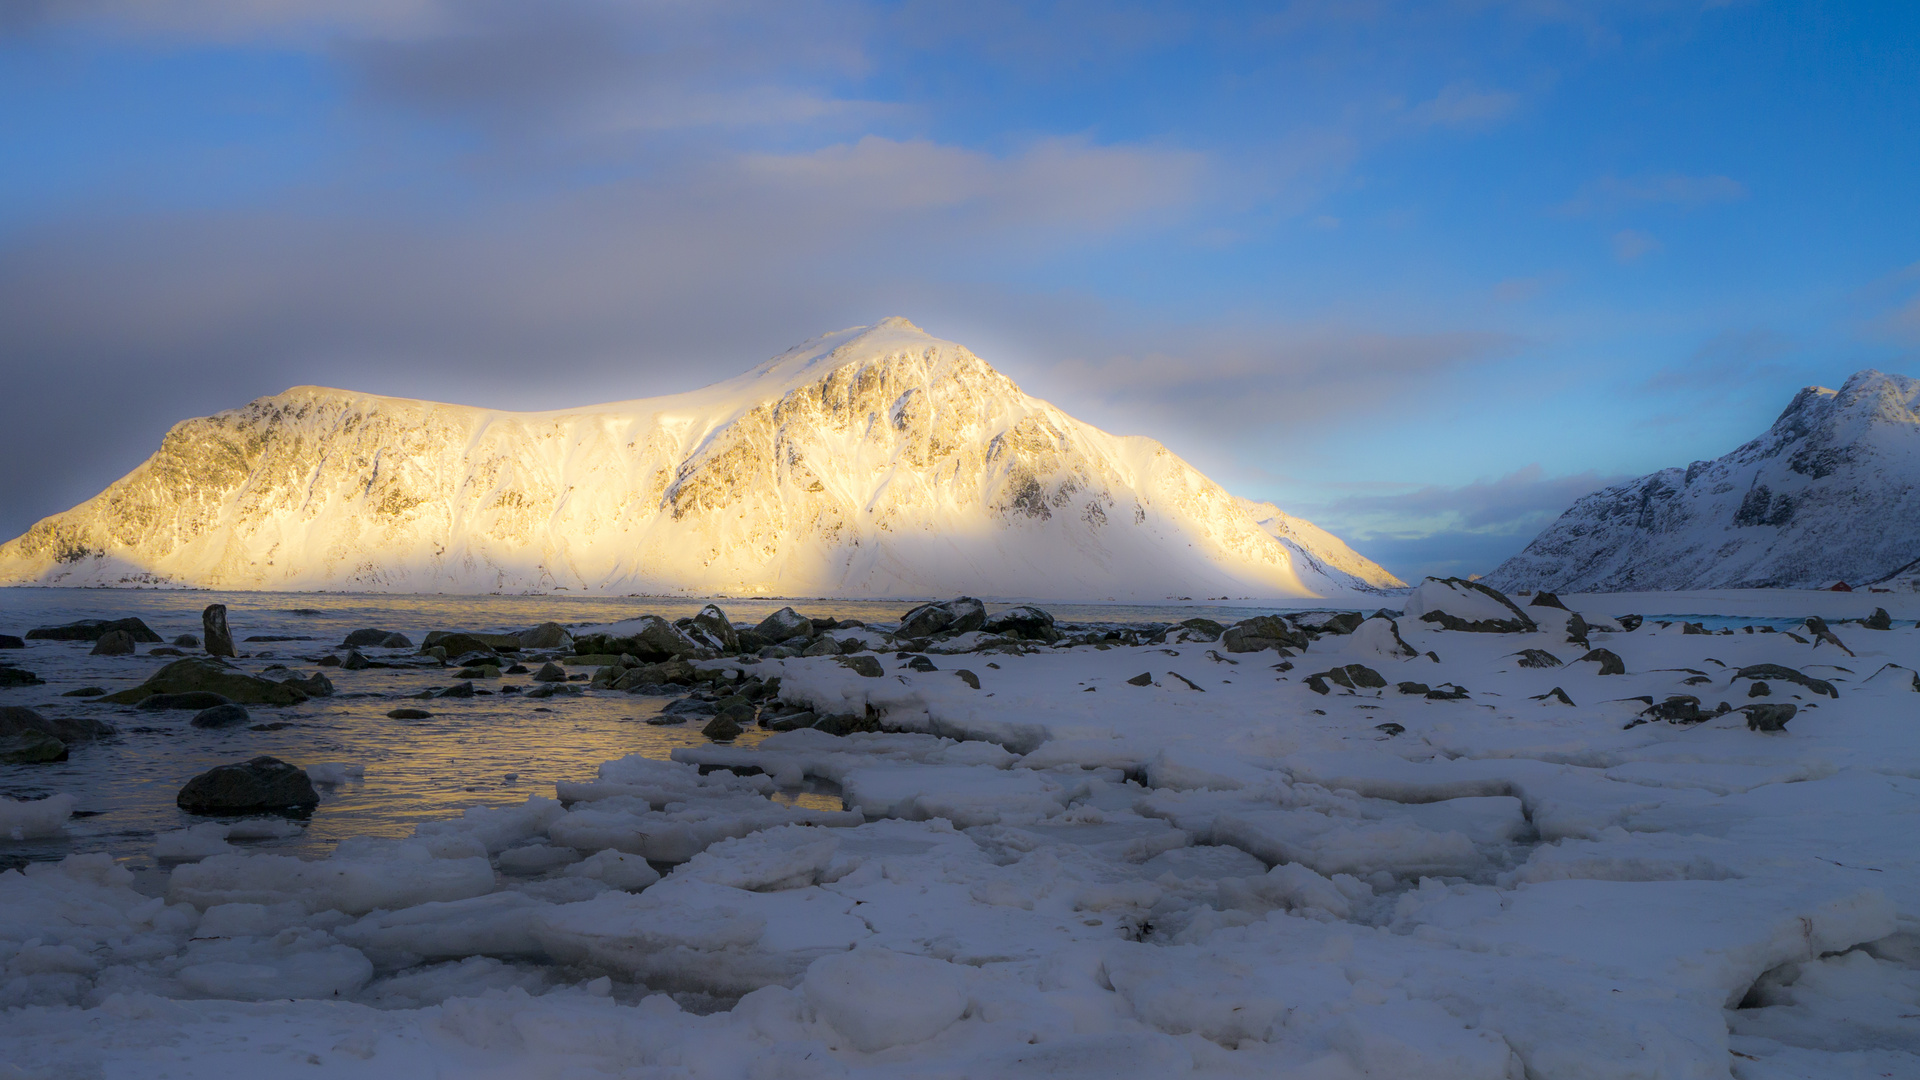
1364 677
957 616
207 673
18 719
361 639
793 721
783 624
408 714
1879 620
478 671
262 785
1759 689
92 629
1029 622
85 691
397 641
1547 599
1577 630
1609 661
328 660
1769 717
729 722
457 690
1318 684
920 663
13 676
8 641
717 628
548 635
825 646
187 641
1537 659
1781 673
114 643
1344 622
550 672
547 690
355 661
968 677
1145 678
213 627
221 716
31 748
459 644
863 664
1389 730
1555 694
191 699
314 685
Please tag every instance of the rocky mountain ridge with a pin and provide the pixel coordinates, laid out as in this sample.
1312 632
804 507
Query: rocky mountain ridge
877 461
1830 493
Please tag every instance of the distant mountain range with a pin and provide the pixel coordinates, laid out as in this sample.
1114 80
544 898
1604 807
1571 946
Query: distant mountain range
877 461
1830 493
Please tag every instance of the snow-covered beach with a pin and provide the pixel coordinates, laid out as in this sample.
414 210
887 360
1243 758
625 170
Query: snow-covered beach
1144 850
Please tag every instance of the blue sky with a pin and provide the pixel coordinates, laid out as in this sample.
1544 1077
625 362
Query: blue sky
1423 273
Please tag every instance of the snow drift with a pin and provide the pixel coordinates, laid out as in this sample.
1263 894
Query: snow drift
1830 493
877 461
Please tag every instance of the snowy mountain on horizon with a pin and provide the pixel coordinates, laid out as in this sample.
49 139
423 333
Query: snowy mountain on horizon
1830 493
877 461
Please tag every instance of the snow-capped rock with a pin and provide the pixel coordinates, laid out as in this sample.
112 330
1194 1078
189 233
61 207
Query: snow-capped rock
1830 493
877 461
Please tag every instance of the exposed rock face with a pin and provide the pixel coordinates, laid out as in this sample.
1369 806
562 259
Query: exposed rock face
783 624
1459 604
114 643
877 461
213 624
18 719
1830 493
194 673
263 785
548 635
957 616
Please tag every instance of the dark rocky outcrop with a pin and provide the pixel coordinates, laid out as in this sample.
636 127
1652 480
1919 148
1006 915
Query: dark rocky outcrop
968 677
1769 717
31 748
13 676
1822 633
1519 623
1350 676
1537 659
783 624
550 672
1879 620
863 664
213 626
18 719
1609 661
408 714
1029 622
367 638
262 785
548 635
191 699
8 641
198 673
221 716
1555 694
1781 673
713 624
1547 599
93 629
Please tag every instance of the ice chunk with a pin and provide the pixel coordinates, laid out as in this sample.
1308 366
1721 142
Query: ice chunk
966 795
1204 861
335 772
497 827
536 859
1333 845
617 869
33 819
196 842
356 886
879 998
1420 1039
328 972
787 858
499 925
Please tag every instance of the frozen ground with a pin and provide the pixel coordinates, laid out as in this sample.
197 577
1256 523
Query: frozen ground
1219 872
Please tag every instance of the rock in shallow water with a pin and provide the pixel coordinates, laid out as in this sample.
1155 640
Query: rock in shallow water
213 624
31 748
206 673
114 643
220 716
264 784
94 629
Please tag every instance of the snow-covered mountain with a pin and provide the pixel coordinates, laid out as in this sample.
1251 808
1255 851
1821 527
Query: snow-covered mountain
877 461
1830 493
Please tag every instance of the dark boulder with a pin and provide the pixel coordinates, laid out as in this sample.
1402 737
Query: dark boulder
1438 594
408 714
13 676
1879 620
717 629
1769 717
1262 632
1447 692
31 748
93 629
1537 658
207 673
1145 678
191 699
1342 622
919 663
361 639
262 785
221 716
1817 626
186 641
18 719
550 672
783 624
457 690
457 643
1555 694
1547 599
1609 661
213 625
1199 628
355 661
314 685
114 643
957 616
1418 688
863 664
968 677
548 635
8 641
1029 622
722 728
1759 689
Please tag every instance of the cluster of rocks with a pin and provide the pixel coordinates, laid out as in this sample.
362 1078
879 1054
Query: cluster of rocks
28 738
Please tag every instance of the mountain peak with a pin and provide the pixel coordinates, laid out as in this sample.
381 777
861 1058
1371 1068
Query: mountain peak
871 461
